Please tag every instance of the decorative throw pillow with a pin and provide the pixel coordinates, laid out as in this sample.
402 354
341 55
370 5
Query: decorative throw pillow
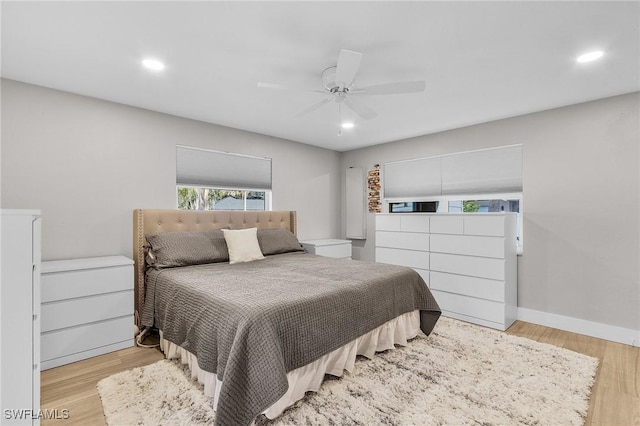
170 249
276 241
243 245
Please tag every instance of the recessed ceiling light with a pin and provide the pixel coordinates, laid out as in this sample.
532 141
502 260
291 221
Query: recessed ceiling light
153 64
347 125
590 56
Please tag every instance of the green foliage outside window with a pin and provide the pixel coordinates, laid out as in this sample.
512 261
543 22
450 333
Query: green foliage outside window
470 207
199 198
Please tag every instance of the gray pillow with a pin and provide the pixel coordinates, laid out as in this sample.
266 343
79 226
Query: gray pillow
169 249
276 241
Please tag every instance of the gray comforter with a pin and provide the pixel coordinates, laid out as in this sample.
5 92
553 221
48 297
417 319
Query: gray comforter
252 323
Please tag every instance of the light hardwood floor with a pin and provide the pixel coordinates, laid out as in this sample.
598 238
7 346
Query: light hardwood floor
615 398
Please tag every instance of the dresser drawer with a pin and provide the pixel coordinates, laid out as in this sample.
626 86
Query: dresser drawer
85 282
67 313
59 343
481 288
446 224
404 240
414 223
482 267
410 258
484 225
467 245
470 306
387 223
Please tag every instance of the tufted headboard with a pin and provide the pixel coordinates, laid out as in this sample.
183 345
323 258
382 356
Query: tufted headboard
155 221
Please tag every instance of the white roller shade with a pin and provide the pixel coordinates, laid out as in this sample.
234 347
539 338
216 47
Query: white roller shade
202 167
496 170
412 178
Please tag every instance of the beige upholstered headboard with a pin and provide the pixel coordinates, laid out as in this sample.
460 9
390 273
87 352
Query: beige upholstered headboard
155 221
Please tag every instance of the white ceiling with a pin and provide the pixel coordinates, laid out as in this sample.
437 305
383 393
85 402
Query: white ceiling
481 61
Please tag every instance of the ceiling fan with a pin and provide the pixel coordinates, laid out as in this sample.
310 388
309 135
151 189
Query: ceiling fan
340 87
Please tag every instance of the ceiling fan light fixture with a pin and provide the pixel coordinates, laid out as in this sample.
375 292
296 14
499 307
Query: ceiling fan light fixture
589 56
152 64
347 125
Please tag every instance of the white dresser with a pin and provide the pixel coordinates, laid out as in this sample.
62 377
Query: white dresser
468 260
87 308
328 247
20 317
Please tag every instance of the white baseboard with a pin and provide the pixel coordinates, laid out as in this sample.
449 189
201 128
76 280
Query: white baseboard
613 333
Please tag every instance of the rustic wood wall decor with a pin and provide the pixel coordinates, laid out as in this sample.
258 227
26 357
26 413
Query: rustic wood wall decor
373 181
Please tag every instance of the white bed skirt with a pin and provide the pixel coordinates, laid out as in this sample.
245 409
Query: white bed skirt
309 377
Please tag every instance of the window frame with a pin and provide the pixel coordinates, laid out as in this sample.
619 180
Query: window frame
245 191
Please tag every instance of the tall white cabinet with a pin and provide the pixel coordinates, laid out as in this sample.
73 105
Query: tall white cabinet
20 317
468 260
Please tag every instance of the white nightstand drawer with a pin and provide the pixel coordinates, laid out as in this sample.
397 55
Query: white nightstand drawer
72 340
410 258
78 283
469 245
483 267
405 240
67 313
481 288
340 251
328 247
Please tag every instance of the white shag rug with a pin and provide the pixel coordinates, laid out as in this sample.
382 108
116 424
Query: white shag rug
461 374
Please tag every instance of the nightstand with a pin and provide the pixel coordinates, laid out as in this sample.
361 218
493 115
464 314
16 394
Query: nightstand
87 308
328 247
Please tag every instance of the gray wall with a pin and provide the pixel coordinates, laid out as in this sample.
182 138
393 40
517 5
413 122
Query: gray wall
88 163
581 203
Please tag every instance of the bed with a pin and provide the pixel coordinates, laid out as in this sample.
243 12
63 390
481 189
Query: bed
260 334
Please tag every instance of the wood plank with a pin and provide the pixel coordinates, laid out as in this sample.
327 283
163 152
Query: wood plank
615 395
73 386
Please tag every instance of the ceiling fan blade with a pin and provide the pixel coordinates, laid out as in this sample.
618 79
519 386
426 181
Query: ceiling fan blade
348 64
283 87
313 107
362 110
391 88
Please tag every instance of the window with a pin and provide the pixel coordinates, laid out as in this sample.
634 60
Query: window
203 198
214 180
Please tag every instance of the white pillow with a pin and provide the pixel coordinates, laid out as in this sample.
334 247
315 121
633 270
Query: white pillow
243 245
